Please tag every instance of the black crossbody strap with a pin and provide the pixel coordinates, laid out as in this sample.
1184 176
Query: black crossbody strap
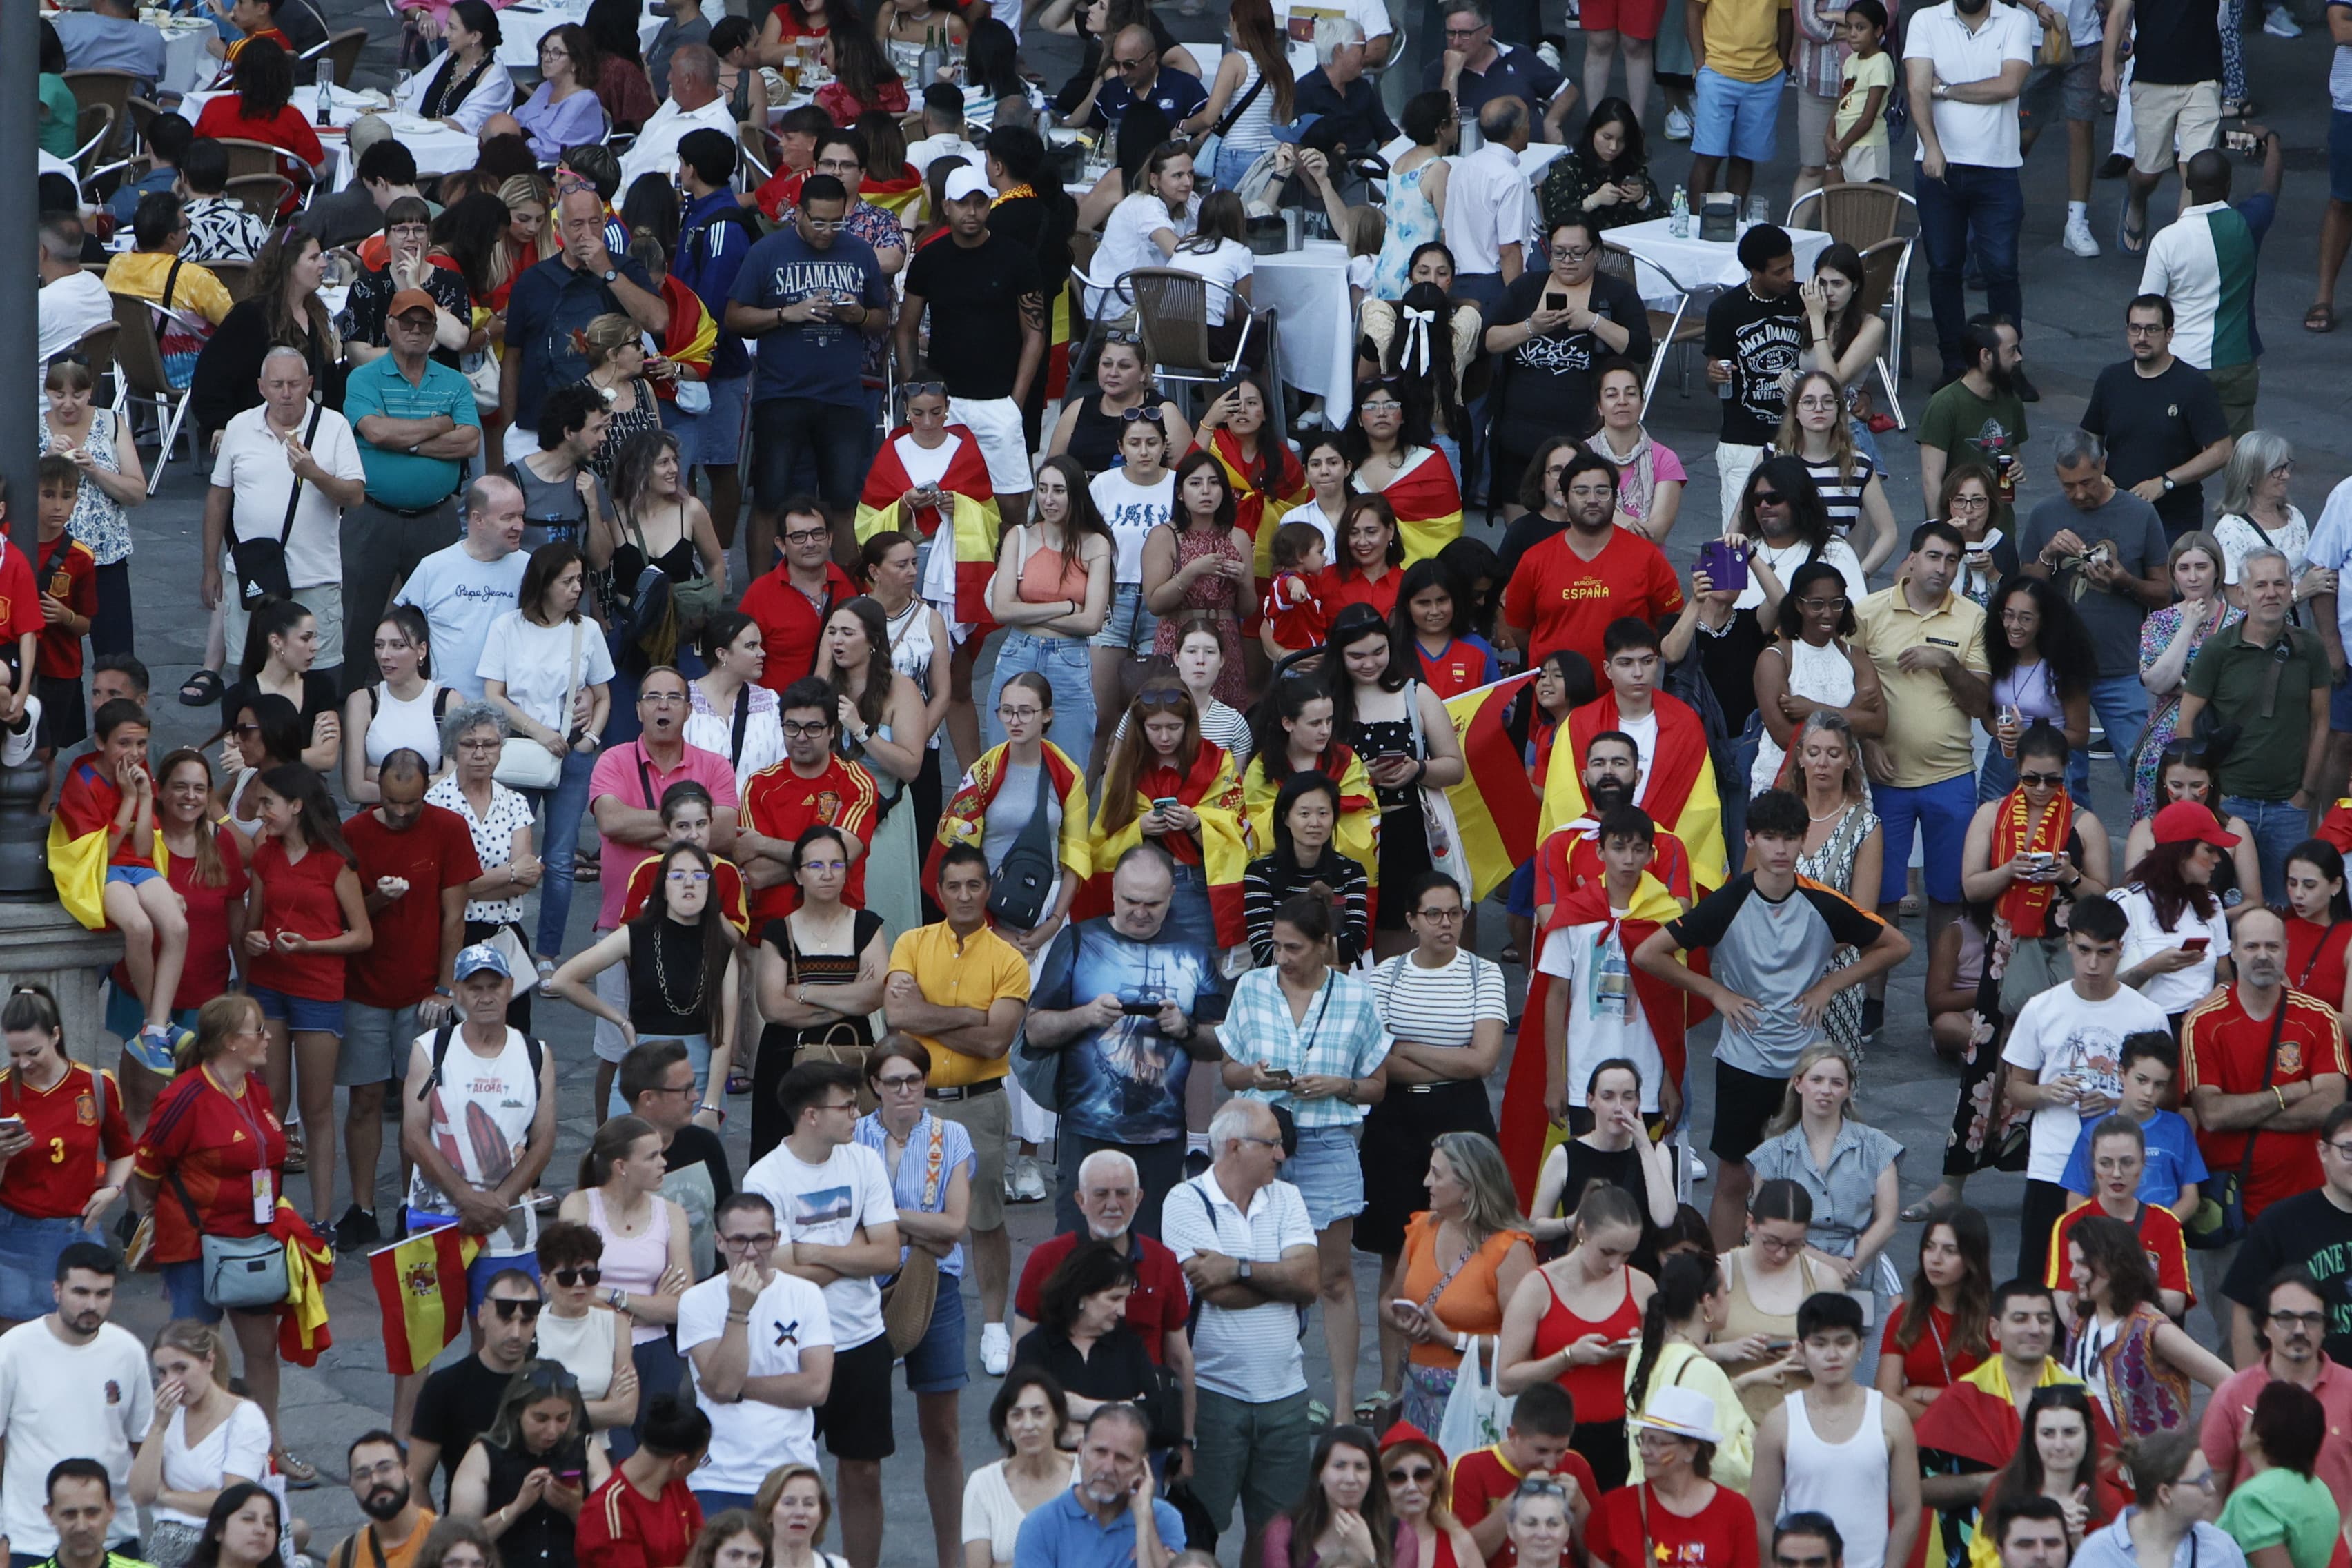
294 497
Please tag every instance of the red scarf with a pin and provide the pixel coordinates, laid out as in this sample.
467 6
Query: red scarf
2025 906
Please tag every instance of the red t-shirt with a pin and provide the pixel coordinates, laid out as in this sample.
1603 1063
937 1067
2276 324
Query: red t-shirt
1720 1535
224 117
2158 1230
77 1126
212 1144
300 897
205 974
1340 586
1158 1304
2315 957
619 1528
433 856
87 803
1295 605
20 600
68 571
1482 1480
1568 602
726 885
790 622
2222 1048
780 804
1466 665
1934 1361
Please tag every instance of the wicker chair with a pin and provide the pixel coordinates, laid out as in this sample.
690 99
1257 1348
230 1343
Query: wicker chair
1856 215
1683 325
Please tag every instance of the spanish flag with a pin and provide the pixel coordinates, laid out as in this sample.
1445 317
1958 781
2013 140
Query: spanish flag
1358 833
961 575
1215 796
1678 791
965 820
303 1334
1428 505
894 196
1496 805
693 337
420 1284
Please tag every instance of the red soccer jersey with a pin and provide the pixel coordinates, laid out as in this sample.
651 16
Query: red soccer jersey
69 572
1570 860
727 887
432 857
1720 1535
790 622
2222 1048
1934 1359
2158 1229
1468 663
20 598
87 803
1298 612
620 1527
1482 1480
1158 1304
77 1127
780 804
1565 601
300 897
205 1142
2316 957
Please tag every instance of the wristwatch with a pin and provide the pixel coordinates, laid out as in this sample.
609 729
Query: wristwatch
1242 1271
2170 484
611 273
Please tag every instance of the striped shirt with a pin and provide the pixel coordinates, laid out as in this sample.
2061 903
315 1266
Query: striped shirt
1249 1354
1341 1035
1273 880
1842 493
1442 1007
1221 725
2204 264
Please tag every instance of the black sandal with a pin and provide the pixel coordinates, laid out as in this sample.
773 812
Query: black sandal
201 689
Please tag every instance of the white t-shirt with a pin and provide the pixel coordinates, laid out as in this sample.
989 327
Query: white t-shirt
252 464
826 1205
1131 510
2182 989
1605 1011
535 662
2058 1033
68 1402
1983 135
1644 735
1298 20
1229 263
1311 511
461 598
237 1447
748 1438
1126 242
991 1512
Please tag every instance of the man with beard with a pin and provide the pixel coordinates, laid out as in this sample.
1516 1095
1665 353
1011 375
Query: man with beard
1111 1518
1110 1195
1567 589
396 1520
1672 764
1979 409
2287 1326
72 1386
2161 419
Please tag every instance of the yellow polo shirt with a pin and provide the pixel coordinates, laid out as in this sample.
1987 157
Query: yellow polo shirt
1743 38
1927 734
974 972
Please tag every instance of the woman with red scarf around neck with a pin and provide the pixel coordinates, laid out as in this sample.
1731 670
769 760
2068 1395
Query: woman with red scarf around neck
1294 731
2319 924
1164 784
1370 566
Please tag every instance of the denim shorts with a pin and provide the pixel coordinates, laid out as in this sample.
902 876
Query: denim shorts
1735 117
713 439
937 1364
132 876
28 1261
1130 625
183 1286
299 1012
1327 1173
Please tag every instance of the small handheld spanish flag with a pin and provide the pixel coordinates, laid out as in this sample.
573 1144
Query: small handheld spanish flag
420 1284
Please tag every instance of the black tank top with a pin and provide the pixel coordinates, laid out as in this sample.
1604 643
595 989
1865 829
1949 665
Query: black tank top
1094 439
665 987
542 1538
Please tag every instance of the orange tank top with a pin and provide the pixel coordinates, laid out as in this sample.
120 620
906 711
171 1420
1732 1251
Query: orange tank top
1045 575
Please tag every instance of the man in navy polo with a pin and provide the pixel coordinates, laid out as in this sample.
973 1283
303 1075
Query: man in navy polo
1139 77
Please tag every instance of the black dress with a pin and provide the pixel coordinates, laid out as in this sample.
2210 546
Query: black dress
1404 826
782 1044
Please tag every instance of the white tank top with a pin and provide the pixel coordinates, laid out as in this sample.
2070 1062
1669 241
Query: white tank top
584 1346
411 723
1846 1480
910 650
479 1117
1253 128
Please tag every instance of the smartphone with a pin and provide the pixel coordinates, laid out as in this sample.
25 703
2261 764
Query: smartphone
1401 1305
12 1125
1555 300
1779 1346
1279 1078
1163 802
1141 1009
569 1478
2196 943
2042 859
1725 569
2241 142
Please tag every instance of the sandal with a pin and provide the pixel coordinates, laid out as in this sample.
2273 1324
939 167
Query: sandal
298 1473
201 689
2126 235
739 1083
585 867
2320 317
1318 1415
298 1158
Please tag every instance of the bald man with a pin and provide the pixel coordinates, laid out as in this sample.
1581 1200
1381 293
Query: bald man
465 587
1132 74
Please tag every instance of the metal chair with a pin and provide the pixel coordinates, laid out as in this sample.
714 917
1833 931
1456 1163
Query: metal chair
93 129
1685 324
1885 267
1171 311
140 110
1856 215
341 53
111 88
237 277
263 195
138 368
97 346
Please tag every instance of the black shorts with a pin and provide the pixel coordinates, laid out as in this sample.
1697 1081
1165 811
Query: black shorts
1745 1102
1398 1133
855 1416
64 715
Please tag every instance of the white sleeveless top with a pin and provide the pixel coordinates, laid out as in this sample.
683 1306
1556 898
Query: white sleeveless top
479 1117
412 724
583 1345
1824 674
1845 1481
911 650
1253 128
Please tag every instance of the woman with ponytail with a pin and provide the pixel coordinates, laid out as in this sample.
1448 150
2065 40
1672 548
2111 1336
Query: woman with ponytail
647 1263
1571 1322
1692 1305
65 1151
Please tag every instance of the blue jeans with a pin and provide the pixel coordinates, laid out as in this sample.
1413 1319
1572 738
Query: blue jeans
565 804
1735 792
2121 703
2278 827
28 1261
1067 665
1190 917
1972 212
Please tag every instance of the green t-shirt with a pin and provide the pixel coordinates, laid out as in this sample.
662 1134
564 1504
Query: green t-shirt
60 114
1958 417
2279 1506
2239 681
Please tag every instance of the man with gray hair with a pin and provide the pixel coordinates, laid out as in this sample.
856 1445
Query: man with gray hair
1489 210
286 470
74 304
2272 680
2112 586
694 103
466 586
1248 1251
1338 90
1108 1194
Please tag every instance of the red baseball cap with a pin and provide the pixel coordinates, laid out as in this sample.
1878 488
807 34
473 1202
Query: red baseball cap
2185 821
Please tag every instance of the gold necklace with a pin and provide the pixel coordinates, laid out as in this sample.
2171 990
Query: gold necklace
661 980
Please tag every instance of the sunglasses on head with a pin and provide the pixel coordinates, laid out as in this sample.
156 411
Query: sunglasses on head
1147 413
927 389
586 1274
1162 694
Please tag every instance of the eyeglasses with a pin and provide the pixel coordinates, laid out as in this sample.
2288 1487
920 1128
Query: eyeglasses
490 744
662 698
741 1243
2312 1320
1570 252
1778 1246
1466 32
795 728
387 1468
1017 715
823 225
2041 781
2341 1150
688 874
1973 503
848 1105
2144 329
901 1082
1443 917
808 865
807 535
510 1308
1838 603
587 1274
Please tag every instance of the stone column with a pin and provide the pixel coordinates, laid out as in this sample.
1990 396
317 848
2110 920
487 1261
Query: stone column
41 944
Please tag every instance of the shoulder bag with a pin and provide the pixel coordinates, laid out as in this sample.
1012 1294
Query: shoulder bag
261 562
2221 1218
1024 879
909 1295
1225 123
1437 806
524 763
238 1273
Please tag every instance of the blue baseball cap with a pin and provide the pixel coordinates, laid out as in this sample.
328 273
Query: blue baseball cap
478 957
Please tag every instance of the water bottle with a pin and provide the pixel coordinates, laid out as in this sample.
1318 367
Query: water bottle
932 58
1678 217
325 101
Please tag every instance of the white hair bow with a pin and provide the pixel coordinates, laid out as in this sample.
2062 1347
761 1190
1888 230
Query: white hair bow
1417 323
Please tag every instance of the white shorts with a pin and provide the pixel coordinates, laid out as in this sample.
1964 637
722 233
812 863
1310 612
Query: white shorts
1003 440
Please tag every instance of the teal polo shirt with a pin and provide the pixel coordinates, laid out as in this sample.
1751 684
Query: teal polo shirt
395 477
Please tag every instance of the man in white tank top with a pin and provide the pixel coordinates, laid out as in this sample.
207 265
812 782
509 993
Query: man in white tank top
1838 1448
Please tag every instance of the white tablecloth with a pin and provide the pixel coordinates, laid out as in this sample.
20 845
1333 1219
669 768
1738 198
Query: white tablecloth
1696 263
437 149
522 26
1310 286
187 65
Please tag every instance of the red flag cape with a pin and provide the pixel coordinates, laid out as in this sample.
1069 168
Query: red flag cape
1982 1428
1679 790
1214 793
973 528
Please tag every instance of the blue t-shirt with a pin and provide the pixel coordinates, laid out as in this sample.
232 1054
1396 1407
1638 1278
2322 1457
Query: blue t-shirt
1124 1084
396 477
820 360
550 302
711 246
2173 1161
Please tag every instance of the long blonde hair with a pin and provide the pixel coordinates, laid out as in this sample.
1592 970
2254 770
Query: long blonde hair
1792 1109
1792 437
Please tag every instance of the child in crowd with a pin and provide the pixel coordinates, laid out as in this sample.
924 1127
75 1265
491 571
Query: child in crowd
1295 616
112 792
1857 139
67 576
2174 1168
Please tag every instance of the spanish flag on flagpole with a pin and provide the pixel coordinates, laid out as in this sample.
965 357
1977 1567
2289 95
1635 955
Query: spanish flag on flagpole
420 1284
1496 805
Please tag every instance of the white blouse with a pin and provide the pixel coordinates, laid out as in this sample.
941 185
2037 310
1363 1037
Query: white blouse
2180 989
990 1512
493 94
493 842
237 1447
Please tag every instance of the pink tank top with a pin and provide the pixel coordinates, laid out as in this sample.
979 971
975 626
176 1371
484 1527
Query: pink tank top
633 1263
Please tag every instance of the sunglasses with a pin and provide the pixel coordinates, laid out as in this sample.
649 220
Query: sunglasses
587 1274
510 1308
1770 498
1162 694
1150 416
2041 781
927 389
1419 1474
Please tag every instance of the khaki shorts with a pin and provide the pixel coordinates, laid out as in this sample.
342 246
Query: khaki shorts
2162 110
1814 114
1865 162
325 601
989 1119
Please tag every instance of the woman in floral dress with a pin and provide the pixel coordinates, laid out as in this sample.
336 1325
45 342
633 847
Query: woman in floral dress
1198 564
1844 845
2169 644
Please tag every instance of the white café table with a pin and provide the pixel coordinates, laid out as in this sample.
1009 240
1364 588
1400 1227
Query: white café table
1310 286
187 63
522 26
437 149
1662 261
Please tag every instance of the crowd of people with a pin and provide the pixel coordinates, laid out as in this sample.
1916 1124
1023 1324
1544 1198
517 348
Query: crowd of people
1065 799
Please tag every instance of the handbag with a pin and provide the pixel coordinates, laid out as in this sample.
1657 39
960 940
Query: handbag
238 1273
1436 809
1024 879
2221 1218
2056 48
261 562
524 763
480 370
511 946
910 1297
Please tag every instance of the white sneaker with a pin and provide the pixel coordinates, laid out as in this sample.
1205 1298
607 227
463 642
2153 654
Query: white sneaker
996 1349
1033 1180
17 747
1013 1179
2078 237
1678 125
2279 23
